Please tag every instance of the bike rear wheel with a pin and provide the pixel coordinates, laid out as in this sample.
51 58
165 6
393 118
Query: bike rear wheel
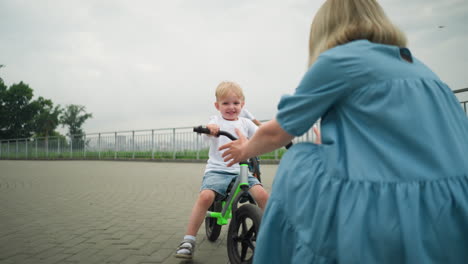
242 233
211 226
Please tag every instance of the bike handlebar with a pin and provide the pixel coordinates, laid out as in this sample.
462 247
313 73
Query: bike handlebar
205 130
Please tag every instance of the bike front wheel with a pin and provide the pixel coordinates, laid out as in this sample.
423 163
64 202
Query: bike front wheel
242 233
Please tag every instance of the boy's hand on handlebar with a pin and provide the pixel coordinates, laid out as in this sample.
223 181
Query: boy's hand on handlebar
235 150
214 129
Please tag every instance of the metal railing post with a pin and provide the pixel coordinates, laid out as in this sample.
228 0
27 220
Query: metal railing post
133 144
173 144
71 146
99 145
84 146
115 146
198 147
152 144
464 102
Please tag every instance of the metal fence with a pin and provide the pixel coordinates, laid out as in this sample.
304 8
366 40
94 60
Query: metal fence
154 144
462 95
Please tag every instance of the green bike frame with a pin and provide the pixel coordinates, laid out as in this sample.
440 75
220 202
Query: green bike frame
240 185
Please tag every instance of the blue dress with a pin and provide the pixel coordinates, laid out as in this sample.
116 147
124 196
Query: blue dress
389 184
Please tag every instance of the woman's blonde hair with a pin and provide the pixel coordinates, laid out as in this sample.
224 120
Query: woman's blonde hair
225 87
341 21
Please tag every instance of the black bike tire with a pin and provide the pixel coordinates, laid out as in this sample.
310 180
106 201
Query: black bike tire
235 247
211 226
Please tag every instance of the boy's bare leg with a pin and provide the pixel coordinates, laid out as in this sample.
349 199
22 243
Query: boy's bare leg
260 195
186 248
204 200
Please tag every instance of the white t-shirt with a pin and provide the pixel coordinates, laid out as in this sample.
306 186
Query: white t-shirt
215 161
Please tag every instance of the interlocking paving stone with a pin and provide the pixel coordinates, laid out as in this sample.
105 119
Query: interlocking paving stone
102 212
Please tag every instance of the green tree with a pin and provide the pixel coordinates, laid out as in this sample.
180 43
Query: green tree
3 89
47 118
17 112
22 117
1 80
74 117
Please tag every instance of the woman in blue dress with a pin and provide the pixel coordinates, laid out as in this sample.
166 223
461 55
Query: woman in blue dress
389 183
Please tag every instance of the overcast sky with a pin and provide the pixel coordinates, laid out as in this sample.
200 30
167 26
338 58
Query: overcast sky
155 64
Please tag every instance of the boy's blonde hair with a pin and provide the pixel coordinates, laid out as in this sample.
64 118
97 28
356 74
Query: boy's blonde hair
225 87
341 21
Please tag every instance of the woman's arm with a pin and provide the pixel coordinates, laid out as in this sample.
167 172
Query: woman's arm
268 137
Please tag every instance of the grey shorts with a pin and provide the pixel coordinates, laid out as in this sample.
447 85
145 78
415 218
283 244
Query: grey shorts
218 181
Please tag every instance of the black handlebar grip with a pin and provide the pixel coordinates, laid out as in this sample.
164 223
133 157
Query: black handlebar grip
201 130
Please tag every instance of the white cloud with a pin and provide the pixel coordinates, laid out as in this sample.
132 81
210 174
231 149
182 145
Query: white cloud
154 64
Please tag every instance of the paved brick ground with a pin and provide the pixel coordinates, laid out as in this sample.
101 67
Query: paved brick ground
101 212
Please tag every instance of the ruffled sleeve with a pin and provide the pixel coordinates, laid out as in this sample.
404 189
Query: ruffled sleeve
332 77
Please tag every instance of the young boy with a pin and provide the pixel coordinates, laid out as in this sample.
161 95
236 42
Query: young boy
229 102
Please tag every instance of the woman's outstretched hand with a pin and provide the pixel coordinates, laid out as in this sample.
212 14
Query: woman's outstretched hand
235 150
